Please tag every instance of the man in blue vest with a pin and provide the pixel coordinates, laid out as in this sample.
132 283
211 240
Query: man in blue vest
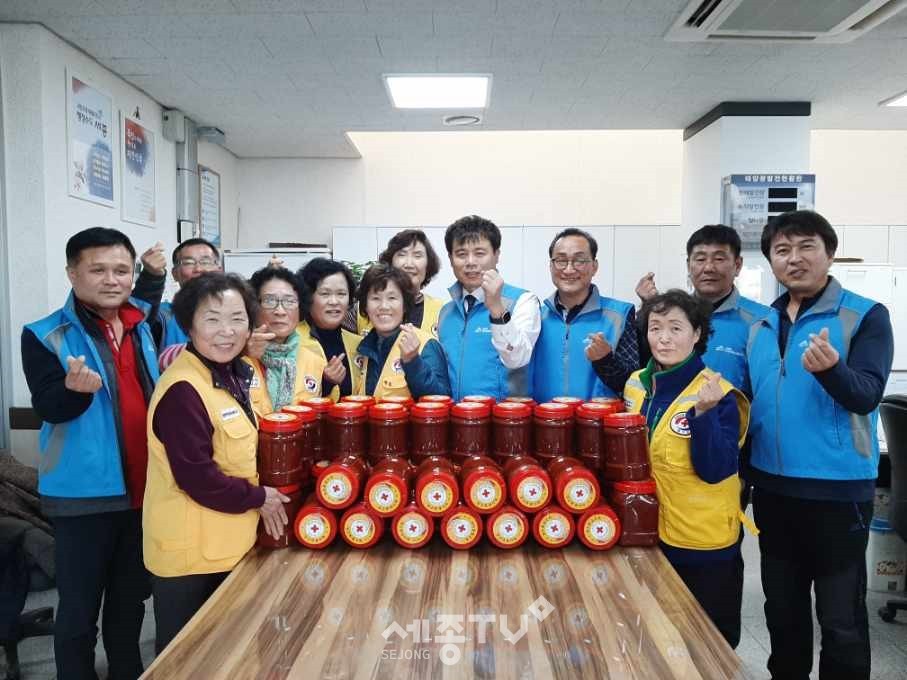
713 262
489 328
91 367
588 344
818 367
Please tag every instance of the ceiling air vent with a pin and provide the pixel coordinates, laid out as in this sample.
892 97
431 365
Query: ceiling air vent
820 21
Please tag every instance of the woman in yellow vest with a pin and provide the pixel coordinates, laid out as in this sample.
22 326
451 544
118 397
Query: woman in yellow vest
202 498
328 287
411 251
287 371
697 423
396 359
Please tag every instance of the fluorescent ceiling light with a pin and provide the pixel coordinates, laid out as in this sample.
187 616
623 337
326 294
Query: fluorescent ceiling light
896 100
438 91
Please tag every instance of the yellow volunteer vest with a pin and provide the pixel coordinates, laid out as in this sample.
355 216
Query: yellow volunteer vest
392 381
430 316
693 514
181 537
309 369
351 345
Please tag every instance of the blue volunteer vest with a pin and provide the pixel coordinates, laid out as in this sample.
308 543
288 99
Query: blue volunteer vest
81 458
726 351
560 366
473 363
173 334
797 429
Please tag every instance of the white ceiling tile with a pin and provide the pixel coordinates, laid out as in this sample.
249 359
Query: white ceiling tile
299 5
603 23
120 47
477 45
77 28
458 22
371 23
418 5
139 67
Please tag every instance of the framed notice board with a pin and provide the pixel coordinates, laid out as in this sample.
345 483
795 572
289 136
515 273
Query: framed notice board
209 204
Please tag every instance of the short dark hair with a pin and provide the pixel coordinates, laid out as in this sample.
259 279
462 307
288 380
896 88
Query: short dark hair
799 223
313 272
211 284
697 310
194 242
96 237
376 278
573 231
472 228
714 235
265 274
405 239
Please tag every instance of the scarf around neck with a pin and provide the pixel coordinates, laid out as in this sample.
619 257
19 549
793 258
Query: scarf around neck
279 360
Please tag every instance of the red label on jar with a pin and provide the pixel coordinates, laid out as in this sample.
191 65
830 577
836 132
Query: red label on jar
436 497
508 529
532 492
411 528
461 528
359 528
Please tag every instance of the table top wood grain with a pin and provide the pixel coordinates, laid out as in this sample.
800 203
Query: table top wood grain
296 613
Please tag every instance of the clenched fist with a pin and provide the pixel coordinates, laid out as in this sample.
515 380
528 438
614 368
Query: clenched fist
154 260
80 378
409 343
820 355
646 289
709 394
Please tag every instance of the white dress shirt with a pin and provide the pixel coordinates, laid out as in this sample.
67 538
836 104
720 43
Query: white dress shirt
515 339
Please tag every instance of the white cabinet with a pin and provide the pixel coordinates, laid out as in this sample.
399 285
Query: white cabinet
898 309
869 243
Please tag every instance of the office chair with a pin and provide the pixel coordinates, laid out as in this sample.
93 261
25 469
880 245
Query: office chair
893 410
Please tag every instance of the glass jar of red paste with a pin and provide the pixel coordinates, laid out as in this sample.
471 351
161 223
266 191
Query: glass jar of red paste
480 398
626 447
470 430
405 402
388 431
589 427
309 430
575 487
553 431
461 527
360 527
340 483
599 528
388 485
572 402
439 398
636 505
507 528
366 400
291 507
528 483
553 527
279 452
321 406
483 485
429 430
512 430
347 426
437 490
315 526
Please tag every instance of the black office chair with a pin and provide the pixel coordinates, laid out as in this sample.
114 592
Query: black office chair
893 410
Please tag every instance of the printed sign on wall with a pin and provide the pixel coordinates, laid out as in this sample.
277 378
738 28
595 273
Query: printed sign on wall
89 142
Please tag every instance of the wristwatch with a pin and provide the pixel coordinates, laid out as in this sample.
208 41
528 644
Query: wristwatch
505 318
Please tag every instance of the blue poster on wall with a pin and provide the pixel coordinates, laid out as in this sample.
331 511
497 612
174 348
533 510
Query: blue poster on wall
90 133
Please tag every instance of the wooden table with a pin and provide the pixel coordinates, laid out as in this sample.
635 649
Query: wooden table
307 614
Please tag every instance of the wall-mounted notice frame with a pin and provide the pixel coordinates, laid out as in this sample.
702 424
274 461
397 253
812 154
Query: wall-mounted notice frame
748 201
91 167
137 157
209 204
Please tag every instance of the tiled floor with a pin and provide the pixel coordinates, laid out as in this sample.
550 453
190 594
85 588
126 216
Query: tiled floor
889 640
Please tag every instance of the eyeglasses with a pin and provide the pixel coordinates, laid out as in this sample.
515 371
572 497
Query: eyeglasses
204 262
579 264
271 301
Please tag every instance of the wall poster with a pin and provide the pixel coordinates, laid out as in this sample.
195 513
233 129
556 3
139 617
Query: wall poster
89 142
138 173
209 204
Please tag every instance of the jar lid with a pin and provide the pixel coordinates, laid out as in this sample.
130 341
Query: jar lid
305 413
412 527
577 490
337 486
385 493
522 400
594 410
315 526
512 409
430 409
484 490
553 527
360 527
530 489
289 488
508 527
366 399
320 404
555 410
437 492
461 528
349 409
406 402
599 528
442 398
645 486
481 398
387 411
470 409
572 401
279 422
617 401
623 419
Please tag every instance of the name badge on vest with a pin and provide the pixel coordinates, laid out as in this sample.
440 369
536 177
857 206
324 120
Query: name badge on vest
229 413
256 383
398 366
680 424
